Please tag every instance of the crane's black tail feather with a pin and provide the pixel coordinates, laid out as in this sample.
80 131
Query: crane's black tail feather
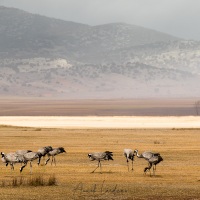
109 155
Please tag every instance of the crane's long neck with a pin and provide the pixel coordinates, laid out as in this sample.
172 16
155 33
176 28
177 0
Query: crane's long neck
139 156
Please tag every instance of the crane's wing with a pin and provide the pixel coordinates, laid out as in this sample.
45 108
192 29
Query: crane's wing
147 155
96 155
156 154
107 155
156 159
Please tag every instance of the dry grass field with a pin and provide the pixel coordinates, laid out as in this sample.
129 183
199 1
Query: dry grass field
177 177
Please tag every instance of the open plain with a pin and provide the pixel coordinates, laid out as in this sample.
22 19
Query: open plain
177 177
170 127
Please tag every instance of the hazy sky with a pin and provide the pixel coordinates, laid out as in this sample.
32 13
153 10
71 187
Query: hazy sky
176 17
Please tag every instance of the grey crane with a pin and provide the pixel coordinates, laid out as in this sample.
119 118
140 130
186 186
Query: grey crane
4 160
129 154
11 158
107 155
153 161
147 155
22 152
44 151
29 157
53 153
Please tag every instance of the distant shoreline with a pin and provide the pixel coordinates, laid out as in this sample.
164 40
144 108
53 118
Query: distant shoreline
98 107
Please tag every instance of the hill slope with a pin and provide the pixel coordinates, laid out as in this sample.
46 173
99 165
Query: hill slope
41 56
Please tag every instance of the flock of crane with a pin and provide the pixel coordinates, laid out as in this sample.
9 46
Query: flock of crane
152 158
25 156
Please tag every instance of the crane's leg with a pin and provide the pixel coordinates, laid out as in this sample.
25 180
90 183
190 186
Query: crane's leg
154 170
43 158
30 167
12 166
21 168
47 160
100 167
55 160
145 170
150 172
132 165
127 164
96 168
52 160
148 168
39 160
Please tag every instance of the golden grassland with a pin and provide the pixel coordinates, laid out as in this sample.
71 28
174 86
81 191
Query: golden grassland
177 177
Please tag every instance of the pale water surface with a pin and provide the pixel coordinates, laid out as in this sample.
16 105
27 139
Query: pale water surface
102 122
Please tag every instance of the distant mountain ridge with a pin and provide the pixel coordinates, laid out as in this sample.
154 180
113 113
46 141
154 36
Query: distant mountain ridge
32 32
41 56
